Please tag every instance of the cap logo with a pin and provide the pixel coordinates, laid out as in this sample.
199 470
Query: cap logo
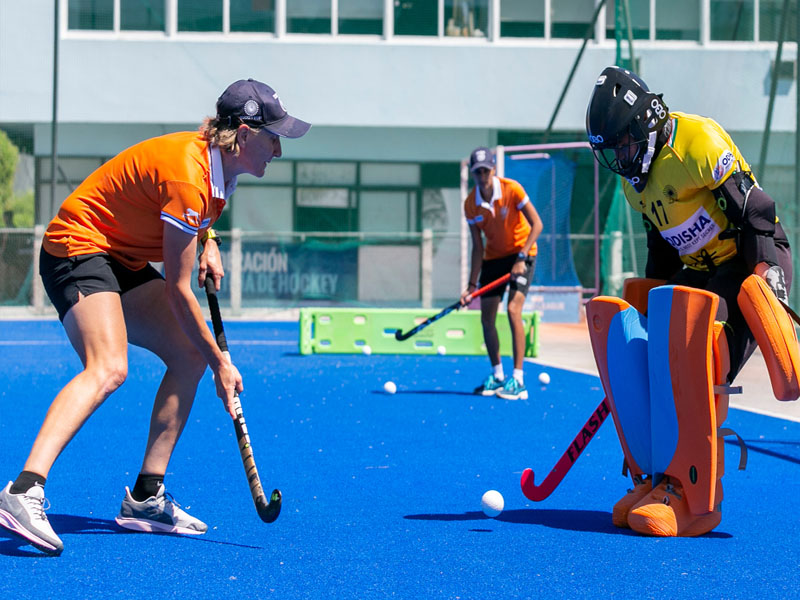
251 108
630 97
283 108
480 155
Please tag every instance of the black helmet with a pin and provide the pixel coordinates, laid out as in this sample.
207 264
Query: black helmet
623 113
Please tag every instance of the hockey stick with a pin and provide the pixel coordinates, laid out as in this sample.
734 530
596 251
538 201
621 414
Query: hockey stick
400 336
537 493
789 310
267 511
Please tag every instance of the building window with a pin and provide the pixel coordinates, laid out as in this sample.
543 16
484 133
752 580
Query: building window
769 20
96 15
256 16
308 16
639 18
416 17
522 18
732 20
199 15
142 15
571 18
361 17
678 20
466 18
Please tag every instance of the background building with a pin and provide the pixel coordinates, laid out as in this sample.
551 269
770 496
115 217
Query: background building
398 91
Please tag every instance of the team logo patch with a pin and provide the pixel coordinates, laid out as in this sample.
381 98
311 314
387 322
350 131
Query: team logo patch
192 217
694 233
251 108
724 164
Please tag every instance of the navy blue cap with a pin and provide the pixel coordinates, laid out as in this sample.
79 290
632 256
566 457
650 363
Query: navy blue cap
256 104
481 158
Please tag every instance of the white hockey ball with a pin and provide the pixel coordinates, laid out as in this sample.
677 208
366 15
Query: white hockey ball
389 387
366 349
544 378
492 503
441 350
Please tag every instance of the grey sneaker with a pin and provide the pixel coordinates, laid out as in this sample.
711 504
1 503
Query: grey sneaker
23 515
159 513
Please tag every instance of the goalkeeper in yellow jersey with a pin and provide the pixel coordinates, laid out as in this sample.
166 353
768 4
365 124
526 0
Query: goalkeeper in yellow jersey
710 227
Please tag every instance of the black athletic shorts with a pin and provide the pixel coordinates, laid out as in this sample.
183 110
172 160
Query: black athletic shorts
63 278
497 267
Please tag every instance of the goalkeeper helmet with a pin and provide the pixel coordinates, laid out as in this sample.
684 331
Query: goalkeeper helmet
623 122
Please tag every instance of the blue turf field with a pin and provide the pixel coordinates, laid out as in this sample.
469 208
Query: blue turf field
381 492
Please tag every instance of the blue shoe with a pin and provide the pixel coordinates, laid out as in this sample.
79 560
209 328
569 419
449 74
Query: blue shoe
489 387
513 390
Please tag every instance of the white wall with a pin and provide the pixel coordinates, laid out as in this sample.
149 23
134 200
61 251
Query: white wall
360 87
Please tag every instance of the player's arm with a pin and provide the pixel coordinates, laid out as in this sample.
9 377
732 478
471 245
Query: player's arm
663 261
476 262
210 261
530 213
751 212
180 250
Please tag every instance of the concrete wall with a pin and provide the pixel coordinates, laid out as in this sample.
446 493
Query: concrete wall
355 91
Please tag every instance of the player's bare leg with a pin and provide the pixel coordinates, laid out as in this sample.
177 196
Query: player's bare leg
489 307
515 305
96 329
514 387
159 332
493 382
148 507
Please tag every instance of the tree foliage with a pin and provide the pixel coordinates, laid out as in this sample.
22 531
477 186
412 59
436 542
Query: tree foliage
9 156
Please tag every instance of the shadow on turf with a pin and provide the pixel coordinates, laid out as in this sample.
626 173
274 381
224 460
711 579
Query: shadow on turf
71 524
755 446
594 521
426 392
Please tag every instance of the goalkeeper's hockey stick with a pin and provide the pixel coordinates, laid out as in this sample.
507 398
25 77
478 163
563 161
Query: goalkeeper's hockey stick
400 336
268 511
537 493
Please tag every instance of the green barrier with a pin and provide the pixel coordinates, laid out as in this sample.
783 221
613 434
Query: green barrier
350 330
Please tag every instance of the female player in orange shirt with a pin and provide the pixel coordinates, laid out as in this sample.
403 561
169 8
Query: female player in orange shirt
155 202
499 211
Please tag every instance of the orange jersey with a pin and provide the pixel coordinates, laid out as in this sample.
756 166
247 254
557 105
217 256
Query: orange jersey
502 222
120 209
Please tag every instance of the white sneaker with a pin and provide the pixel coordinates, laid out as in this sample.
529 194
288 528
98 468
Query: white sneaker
23 515
159 513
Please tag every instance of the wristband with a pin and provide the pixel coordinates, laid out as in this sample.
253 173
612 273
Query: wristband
210 234
522 256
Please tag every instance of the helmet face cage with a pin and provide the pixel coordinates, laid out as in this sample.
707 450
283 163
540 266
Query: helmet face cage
623 156
620 119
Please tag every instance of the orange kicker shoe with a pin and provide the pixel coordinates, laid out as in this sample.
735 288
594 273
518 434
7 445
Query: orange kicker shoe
619 516
664 512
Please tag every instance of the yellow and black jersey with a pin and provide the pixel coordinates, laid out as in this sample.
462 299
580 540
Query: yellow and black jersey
698 157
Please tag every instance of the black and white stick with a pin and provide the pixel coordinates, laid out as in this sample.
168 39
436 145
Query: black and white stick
400 336
268 511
